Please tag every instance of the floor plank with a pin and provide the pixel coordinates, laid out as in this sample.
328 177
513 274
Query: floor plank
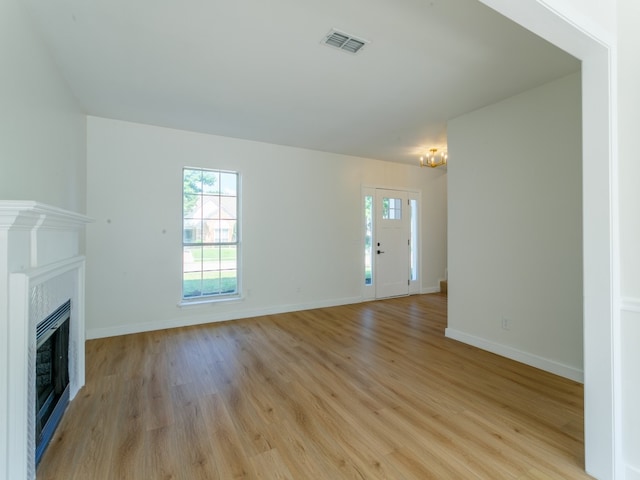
366 391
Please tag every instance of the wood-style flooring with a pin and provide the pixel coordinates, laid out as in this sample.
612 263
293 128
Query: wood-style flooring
366 391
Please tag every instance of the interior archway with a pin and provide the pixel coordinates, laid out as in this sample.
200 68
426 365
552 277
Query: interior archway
599 281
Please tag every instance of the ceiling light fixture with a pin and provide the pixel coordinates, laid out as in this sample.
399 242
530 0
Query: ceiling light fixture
433 159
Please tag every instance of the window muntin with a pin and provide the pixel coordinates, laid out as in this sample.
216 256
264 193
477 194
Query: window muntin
391 208
210 239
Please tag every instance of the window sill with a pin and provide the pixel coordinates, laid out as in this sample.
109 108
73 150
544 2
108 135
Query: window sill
208 300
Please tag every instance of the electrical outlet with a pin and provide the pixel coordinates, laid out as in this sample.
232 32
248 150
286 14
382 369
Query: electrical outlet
506 324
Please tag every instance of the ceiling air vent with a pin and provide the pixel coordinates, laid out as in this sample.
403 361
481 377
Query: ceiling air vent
344 41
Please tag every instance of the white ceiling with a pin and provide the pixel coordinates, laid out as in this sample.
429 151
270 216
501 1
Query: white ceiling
256 69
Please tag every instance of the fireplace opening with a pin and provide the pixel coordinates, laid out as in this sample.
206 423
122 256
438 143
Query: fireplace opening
52 375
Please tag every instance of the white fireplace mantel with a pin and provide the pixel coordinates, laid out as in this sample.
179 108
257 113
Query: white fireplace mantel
40 266
38 234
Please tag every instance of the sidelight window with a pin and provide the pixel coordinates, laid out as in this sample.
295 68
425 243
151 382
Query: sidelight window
368 239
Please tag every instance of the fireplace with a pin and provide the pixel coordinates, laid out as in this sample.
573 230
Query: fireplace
41 322
51 374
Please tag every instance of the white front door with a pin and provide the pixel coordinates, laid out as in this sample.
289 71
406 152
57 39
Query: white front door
391 249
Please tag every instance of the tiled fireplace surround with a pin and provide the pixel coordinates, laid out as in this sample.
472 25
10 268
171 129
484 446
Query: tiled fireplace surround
40 268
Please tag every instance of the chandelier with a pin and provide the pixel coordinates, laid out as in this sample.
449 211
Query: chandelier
433 159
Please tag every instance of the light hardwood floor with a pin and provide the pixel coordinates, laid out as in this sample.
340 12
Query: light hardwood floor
367 391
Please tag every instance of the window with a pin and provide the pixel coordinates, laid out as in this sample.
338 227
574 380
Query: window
368 239
414 240
210 239
391 208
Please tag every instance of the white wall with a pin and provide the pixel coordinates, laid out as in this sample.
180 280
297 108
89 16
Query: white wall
302 227
42 128
515 227
629 211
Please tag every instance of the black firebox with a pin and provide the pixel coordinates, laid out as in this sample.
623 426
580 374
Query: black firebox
52 374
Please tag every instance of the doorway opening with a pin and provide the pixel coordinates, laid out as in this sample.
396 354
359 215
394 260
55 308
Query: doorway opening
601 340
391 242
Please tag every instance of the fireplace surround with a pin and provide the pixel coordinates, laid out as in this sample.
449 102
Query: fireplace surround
40 269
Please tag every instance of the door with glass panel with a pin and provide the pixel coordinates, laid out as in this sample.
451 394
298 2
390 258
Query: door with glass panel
392 245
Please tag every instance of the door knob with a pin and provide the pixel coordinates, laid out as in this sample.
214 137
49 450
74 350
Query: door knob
380 251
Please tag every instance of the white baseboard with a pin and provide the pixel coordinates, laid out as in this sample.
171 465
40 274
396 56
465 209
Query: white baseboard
430 290
212 317
542 363
103 332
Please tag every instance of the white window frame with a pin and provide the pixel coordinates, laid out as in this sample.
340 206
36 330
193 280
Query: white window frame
214 242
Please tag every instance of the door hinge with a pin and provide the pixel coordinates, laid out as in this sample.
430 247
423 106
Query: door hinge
409 282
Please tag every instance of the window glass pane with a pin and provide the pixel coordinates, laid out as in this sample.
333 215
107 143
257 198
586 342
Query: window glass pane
228 281
414 240
191 259
192 231
368 239
210 206
229 231
210 231
229 184
192 181
211 282
396 209
210 182
229 264
192 284
229 256
228 207
210 258
190 206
